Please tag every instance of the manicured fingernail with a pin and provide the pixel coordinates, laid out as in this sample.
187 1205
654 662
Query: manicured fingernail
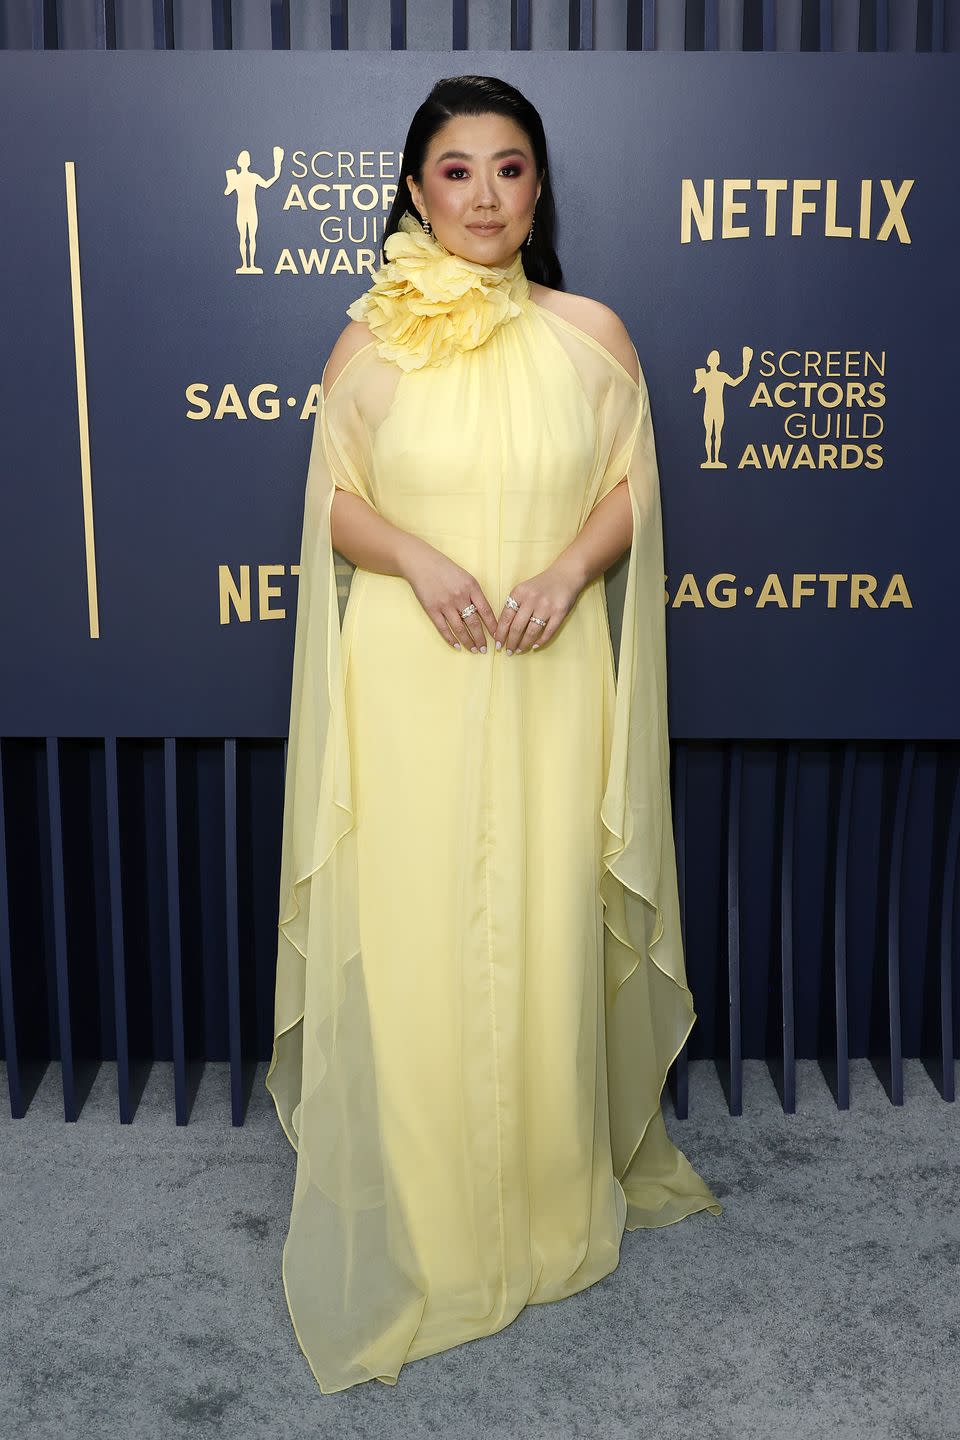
456 644
473 649
509 652
483 649
498 644
535 646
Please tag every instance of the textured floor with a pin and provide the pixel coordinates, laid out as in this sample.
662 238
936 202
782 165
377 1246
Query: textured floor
141 1291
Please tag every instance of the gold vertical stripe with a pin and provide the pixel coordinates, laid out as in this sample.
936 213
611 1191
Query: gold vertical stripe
81 363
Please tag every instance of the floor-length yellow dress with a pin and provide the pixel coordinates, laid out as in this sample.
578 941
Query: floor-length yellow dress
480 977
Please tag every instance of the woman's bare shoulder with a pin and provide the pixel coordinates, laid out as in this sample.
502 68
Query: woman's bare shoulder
596 319
352 338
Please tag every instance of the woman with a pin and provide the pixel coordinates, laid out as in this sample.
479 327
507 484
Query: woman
480 983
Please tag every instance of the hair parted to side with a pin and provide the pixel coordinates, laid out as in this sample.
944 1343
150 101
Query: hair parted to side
481 95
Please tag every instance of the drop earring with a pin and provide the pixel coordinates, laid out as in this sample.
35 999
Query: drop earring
530 236
426 226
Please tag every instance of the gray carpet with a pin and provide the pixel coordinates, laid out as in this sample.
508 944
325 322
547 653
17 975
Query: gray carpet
142 1293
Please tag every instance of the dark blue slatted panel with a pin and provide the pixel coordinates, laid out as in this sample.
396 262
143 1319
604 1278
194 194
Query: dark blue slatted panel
893 922
789 1054
59 910
948 910
681 1085
10 1048
842 859
114 872
233 928
172 837
734 780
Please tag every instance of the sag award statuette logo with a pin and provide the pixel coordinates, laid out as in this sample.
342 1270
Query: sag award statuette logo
244 183
713 381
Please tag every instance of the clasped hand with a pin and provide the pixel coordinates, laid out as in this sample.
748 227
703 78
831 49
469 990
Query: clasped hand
445 589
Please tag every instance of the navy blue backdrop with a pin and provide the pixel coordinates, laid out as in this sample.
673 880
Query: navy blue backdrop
791 284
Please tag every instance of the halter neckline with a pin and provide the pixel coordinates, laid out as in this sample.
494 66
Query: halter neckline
427 304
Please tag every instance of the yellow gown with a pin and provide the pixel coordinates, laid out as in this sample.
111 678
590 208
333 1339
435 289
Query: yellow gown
480 977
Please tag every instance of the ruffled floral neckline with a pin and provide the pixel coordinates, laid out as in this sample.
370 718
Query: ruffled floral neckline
427 304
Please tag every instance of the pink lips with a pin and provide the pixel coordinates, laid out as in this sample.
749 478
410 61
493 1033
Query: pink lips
485 229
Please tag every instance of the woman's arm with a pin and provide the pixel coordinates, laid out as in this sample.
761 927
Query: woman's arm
358 532
608 529
366 539
605 534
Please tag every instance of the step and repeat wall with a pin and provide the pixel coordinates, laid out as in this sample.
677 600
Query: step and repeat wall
185 231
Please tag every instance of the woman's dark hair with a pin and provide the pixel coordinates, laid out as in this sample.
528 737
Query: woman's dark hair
481 95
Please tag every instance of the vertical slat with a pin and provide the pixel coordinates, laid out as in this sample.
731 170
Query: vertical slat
826 25
398 24
649 24
735 772
948 905
582 27
11 1049
171 826
893 922
881 20
520 29
163 32
280 24
339 25
769 23
937 26
711 25
112 785
844 821
787 1007
59 908
45 30
221 19
105 25
233 928
681 1088
459 40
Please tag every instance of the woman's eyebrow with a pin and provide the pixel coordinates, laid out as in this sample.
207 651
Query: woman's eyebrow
462 155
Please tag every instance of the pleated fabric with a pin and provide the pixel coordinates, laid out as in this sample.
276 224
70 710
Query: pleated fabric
480 973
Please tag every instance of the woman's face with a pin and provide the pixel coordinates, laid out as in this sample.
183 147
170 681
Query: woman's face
479 169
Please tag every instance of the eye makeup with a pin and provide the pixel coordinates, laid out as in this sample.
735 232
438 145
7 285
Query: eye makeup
515 165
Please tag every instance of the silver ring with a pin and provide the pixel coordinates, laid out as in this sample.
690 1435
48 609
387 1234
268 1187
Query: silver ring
470 610
512 603
537 621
